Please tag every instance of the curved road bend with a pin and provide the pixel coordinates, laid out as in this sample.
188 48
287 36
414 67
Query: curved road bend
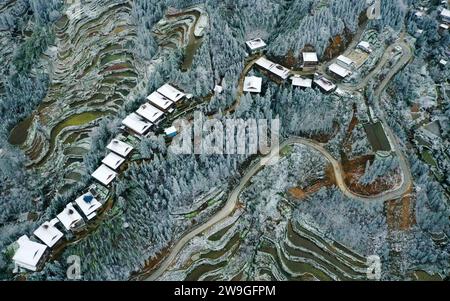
337 168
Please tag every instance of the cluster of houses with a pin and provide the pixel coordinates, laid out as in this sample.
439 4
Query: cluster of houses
444 16
139 124
253 84
342 68
161 102
31 254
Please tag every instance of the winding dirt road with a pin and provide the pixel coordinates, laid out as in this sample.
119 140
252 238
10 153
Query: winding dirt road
395 193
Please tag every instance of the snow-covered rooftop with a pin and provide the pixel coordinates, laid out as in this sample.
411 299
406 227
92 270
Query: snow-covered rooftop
170 92
88 205
29 253
310 57
150 113
137 123
119 147
273 67
445 13
104 175
365 46
325 84
218 89
69 217
160 101
113 160
341 71
301 82
345 60
252 84
48 234
419 14
171 131
256 44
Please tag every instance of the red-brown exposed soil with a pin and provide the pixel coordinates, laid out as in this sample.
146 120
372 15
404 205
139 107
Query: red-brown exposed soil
400 213
299 194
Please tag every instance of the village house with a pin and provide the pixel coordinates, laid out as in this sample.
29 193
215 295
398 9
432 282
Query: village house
324 84
30 255
445 15
112 160
255 45
339 70
170 132
70 218
302 82
104 175
345 62
171 93
120 148
218 89
48 233
150 113
137 124
364 46
278 70
88 205
252 84
161 102
310 59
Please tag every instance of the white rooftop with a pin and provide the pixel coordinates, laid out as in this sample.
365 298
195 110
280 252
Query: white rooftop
272 67
88 205
255 44
170 92
160 101
445 13
345 60
265 63
310 57
119 147
170 131
342 72
113 160
104 175
325 84
150 113
443 26
365 45
443 62
301 81
29 253
252 84
69 217
48 234
136 123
